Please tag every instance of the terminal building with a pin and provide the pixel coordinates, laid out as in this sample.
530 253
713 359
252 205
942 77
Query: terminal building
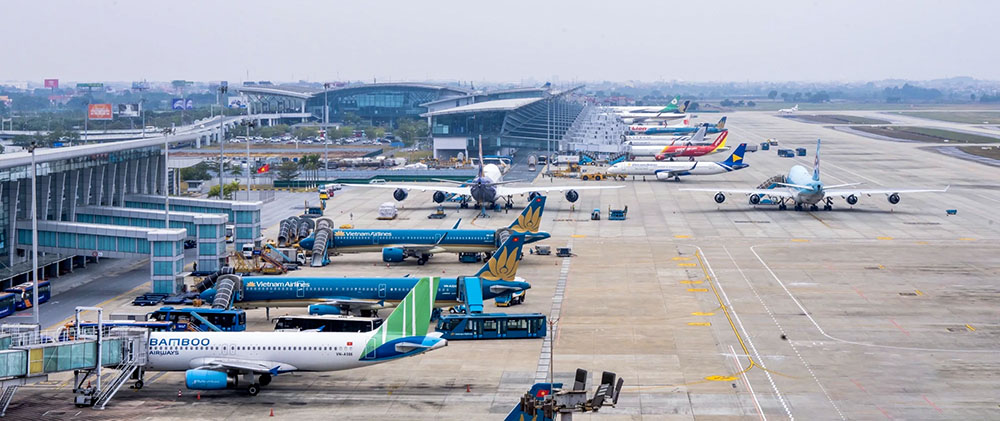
107 201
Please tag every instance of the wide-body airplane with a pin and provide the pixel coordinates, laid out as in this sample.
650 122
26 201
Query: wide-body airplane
658 129
341 295
661 152
803 188
675 169
217 360
398 244
486 189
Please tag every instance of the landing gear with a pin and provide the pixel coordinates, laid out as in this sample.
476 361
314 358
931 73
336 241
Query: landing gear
782 206
464 204
509 202
813 208
421 261
138 384
264 379
829 204
798 207
253 389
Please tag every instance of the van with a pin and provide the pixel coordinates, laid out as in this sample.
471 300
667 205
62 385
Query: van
248 250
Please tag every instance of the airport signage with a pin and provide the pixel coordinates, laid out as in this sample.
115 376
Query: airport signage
138 86
90 85
182 104
52 83
128 110
237 102
99 112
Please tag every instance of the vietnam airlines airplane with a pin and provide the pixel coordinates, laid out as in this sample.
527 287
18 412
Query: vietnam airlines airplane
661 152
667 170
328 295
398 244
802 188
217 360
486 189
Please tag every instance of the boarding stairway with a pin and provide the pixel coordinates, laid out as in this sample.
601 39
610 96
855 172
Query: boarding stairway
322 234
227 289
6 397
768 184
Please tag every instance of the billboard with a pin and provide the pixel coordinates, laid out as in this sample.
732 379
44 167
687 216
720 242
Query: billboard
182 104
237 102
90 85
139 86
52 83
128 110
99 112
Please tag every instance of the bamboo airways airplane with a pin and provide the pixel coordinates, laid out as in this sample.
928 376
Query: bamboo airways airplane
217 360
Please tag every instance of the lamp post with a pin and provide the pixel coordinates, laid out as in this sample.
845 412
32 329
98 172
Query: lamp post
222 142
248 123
166 175
34 232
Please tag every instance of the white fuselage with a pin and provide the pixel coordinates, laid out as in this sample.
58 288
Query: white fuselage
299 351
654 140
652 167
801 176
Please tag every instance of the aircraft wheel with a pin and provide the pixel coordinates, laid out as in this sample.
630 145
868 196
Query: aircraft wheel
798 207
254 389
827 207
264 379
138 384
782 207
813 208
421 261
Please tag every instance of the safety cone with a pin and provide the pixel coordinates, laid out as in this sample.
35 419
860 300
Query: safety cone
199 396
272 412
178 393
468 389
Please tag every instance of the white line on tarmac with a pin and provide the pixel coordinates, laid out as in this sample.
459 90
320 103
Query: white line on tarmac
749 341
822 332
747 382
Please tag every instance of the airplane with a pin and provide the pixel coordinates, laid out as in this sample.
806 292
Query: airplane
709 128
398 244
340 295
661 152
217 360
486 189
667 170
789 110
802 188
662 140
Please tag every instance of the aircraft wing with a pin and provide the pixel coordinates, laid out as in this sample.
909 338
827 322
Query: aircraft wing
464 191
510 191
242 365
859 192
418 248
765 192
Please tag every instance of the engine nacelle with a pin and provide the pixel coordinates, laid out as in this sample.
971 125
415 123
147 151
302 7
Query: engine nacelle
209 380
719 198
852 200
323 310
572 196
439 197
393 254
501 236
754 199
400 195
663 175
894 198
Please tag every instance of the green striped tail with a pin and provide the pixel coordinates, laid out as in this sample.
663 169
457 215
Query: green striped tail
411 318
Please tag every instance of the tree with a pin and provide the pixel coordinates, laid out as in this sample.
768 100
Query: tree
228 191
751 104
374 132
197 172
288 171
276 130
773 94
310 162
693 106
305 132
409 130
351 119
727 103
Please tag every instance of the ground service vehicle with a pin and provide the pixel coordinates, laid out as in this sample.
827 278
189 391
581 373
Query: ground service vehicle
196 318
8 304
326 323
491 326
23 294
508 300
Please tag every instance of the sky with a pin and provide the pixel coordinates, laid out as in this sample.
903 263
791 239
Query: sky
498 41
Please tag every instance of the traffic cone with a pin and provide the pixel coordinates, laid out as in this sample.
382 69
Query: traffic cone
468 389
272 412
199 396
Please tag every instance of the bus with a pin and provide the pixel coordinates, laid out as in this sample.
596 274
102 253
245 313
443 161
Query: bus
229 233
491 326
23 293
8 304
188 318
326 323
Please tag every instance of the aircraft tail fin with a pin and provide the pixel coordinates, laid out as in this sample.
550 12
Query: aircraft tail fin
410 319
720 141
683 108
673 106
816 163
503 265
699 136
721 125
531 217
480 155
737 156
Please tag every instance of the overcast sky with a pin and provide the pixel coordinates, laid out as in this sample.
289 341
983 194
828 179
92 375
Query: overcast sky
506 41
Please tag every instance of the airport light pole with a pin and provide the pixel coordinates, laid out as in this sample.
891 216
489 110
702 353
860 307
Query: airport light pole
248 123
34 231
166 175
222 143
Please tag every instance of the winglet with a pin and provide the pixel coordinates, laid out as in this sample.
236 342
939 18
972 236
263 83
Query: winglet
531 217
503 265
456 224
816 163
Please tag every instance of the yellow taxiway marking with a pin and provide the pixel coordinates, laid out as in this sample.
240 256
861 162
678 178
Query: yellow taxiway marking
919 292
698 313
721 378
682 236
881 267
697 289
967 239
800 240
681 258
923 243
971 329
699 324
691 282
578 236
687 265
883 238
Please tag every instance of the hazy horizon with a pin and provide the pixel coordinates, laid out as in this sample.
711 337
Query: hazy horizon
513 42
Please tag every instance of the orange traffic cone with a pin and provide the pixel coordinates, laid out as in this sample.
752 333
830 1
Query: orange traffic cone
467 389
199 396
272 412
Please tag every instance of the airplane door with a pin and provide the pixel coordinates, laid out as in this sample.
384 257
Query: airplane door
381 290
300 292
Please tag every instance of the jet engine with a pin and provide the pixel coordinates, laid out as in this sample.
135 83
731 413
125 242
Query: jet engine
719 198
852 200
533 195
198 379
400 195
754 199
393 254
323 310
438 197
572 196
894 198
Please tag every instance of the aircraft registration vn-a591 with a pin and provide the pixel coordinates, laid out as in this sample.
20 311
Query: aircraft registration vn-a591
666 170
804 189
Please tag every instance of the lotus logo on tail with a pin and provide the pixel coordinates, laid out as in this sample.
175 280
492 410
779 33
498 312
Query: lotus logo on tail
503 265
529 221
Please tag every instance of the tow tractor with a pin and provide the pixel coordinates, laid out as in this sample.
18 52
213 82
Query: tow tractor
617 214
